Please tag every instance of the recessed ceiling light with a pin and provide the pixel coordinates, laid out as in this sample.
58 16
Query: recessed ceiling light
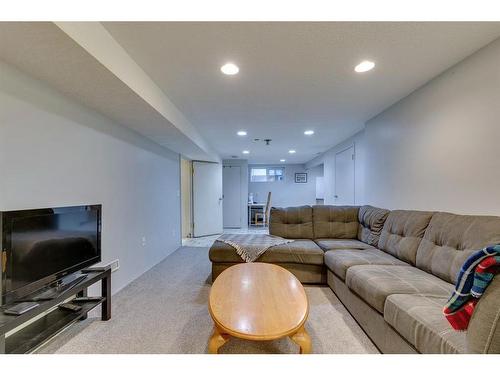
242 133
229 69
364 66
309 132
292 151
282 160
246 151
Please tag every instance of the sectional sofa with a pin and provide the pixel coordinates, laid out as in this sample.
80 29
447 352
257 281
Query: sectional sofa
393 270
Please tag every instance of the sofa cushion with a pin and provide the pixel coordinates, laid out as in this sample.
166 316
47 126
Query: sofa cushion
291 222
298 251
420 320
450 239
335 221
339 261
402 232
374 283
333 244
371 221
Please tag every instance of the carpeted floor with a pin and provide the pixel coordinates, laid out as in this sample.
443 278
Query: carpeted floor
165 311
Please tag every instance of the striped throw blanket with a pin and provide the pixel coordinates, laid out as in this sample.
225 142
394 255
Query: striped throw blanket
251 246
473 279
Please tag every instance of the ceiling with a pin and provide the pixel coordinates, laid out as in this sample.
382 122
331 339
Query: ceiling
293 76
163 79
44 51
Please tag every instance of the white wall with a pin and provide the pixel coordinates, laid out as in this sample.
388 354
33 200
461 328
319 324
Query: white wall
54 152
244 187
438 148
287 193
328 161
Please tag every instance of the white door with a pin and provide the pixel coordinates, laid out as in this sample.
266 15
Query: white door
207 198
344 177
231 190
320 188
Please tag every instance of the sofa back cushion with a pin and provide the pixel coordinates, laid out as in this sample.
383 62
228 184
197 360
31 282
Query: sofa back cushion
335 221
402 232
371 221
291 222
450 239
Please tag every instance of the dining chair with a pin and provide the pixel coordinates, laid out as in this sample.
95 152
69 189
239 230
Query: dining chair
265 214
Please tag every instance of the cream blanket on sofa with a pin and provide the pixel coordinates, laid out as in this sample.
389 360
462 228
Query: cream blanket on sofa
252 246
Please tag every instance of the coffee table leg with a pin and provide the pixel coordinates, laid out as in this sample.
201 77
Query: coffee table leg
302 339
217 340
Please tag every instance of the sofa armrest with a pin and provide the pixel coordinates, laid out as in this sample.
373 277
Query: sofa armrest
483 333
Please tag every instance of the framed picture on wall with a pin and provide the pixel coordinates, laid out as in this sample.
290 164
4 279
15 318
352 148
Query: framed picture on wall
301 178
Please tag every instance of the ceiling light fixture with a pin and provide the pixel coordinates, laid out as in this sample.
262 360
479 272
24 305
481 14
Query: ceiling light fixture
282 160
309 132
292 151
229 69
246 151
242 133
364 66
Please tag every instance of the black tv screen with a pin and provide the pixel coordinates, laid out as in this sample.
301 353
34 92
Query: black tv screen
43 245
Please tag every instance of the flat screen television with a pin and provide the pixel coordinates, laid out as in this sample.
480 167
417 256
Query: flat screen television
41 246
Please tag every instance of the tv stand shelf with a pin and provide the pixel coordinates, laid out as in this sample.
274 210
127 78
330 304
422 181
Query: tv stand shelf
48 325
31 336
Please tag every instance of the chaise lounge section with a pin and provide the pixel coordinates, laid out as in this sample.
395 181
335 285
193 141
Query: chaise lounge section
393 270
302 257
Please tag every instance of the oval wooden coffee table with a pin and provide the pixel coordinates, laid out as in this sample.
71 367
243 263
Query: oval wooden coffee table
258 301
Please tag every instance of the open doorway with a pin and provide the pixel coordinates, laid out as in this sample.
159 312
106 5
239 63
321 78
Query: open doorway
201 202
201 198
207 198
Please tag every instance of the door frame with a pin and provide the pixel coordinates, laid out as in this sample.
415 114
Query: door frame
190 188
347 147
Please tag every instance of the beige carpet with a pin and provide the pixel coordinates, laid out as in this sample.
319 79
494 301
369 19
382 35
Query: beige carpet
165 311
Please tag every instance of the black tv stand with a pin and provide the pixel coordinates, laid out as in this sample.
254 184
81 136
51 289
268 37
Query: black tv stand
53 291
32 336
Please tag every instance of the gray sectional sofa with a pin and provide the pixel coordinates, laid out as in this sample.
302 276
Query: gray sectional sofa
393 270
